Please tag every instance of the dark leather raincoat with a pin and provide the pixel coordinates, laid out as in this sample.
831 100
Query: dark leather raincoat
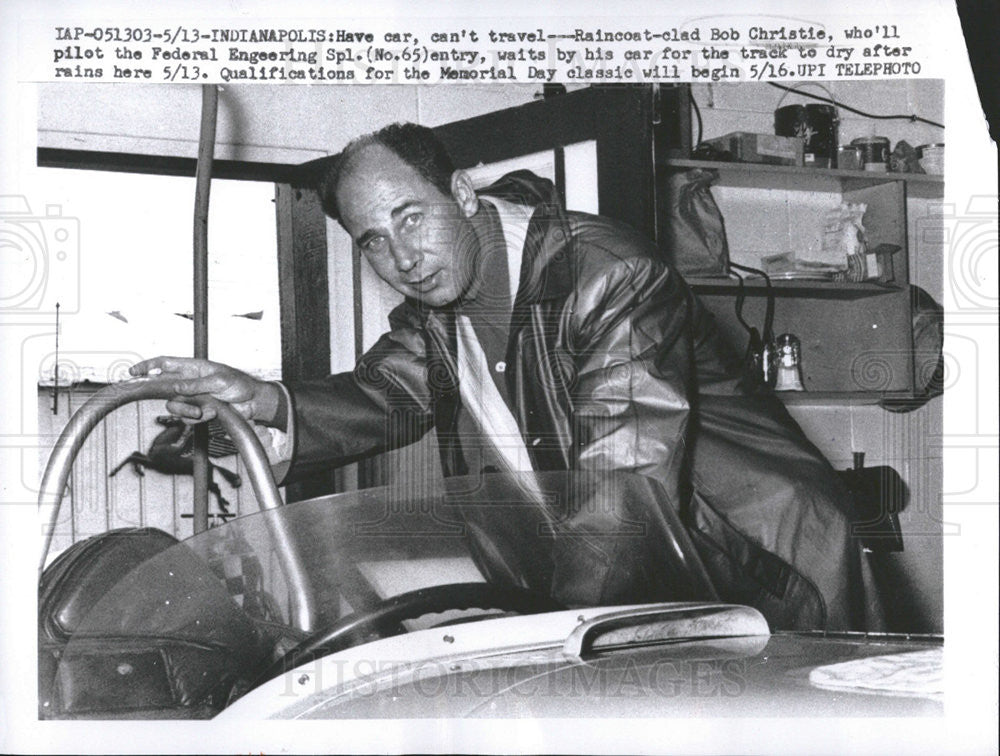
613 364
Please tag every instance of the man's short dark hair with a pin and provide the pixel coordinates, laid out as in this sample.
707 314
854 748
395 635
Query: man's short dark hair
414 144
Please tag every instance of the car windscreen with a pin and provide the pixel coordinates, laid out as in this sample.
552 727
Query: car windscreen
585 539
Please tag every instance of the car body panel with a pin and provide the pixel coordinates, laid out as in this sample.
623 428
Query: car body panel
479 670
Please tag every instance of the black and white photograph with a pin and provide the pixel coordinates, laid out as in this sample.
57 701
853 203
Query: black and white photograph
508 383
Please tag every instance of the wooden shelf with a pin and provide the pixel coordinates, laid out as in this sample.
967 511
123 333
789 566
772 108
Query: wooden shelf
837 398
865 177
850 332
813 289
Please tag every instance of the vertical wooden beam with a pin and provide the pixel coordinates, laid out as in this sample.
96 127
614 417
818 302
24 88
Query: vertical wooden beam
303 290
371 472
623 124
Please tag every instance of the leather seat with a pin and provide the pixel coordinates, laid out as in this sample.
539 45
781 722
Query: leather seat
110 648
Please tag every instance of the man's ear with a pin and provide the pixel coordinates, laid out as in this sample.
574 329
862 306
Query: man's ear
464 193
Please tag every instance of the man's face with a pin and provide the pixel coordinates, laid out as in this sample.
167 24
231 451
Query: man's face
417 239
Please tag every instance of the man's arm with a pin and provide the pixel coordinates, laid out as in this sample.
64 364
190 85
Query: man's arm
630 339
383 404
633 353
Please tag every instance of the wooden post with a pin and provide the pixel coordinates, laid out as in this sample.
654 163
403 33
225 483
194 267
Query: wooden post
305 304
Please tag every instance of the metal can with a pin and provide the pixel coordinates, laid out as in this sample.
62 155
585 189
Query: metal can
874 152
931 157
849 158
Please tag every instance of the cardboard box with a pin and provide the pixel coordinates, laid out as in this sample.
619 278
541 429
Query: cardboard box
746 147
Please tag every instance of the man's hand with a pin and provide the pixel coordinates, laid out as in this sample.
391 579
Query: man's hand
256 400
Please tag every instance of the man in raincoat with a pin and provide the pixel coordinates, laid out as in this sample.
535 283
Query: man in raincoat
531 338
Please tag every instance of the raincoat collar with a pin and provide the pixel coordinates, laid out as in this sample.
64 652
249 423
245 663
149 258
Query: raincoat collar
545 265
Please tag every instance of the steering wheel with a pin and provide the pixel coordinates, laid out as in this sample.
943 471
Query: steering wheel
385 617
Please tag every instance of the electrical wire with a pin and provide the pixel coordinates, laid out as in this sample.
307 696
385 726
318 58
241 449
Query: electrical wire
741 296
769 308
912 118
697 113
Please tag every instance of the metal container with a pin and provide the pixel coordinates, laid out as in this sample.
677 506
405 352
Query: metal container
874 153
849 158
932 158
789 350
817 126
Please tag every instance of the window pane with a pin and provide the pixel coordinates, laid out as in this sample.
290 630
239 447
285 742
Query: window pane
136 242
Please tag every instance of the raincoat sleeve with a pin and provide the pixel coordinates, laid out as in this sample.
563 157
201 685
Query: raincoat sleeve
630 339
632 352
383 404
